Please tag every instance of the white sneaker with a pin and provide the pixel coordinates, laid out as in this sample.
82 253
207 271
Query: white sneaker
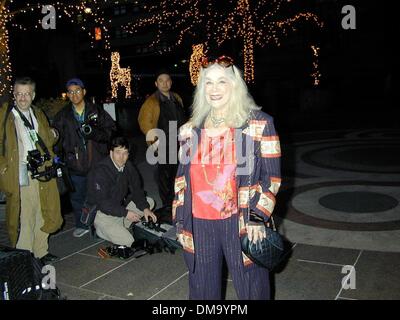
79 232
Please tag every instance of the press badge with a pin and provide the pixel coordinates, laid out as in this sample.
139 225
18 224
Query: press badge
33 135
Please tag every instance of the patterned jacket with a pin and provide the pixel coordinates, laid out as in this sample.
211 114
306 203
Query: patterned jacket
258 177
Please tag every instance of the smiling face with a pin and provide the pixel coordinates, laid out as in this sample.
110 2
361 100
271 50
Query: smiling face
23 95
76 94
218 88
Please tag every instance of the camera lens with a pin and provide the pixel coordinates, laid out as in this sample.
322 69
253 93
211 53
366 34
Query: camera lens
87 129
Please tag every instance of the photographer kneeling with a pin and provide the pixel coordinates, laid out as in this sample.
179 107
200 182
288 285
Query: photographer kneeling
114 187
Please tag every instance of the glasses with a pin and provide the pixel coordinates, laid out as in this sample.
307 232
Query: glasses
23 94
77 91
223 61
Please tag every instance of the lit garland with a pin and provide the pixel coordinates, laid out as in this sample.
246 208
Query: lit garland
5 65
120 76
82 12
253 21
256 26
180 17
195 62
316 74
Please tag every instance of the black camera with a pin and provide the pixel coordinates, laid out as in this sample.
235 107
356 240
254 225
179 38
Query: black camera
36 160
156 226
86 127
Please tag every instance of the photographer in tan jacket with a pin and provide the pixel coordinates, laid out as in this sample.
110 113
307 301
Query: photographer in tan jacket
32 206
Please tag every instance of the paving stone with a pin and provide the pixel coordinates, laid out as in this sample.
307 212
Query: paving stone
325 254
306 281
142 278
377 277
176 291
64 244
74 293
78 270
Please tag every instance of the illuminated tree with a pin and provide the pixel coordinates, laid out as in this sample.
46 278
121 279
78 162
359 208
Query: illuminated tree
195 62
82 12
255 22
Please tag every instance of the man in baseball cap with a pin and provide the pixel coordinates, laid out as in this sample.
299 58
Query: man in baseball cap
85 130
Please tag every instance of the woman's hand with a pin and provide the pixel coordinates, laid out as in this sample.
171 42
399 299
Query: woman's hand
255 232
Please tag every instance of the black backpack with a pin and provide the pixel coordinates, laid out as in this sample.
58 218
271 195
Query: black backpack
22 277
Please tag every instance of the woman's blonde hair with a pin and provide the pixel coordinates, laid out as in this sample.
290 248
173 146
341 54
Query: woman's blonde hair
240 102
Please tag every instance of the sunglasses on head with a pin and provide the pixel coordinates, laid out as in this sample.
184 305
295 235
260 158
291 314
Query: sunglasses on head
223 61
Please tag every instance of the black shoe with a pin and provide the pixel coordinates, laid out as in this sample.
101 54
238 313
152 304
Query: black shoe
112 250
124 252
49 258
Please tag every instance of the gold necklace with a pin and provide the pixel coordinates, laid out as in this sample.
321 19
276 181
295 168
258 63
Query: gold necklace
216 121
205 172
206 177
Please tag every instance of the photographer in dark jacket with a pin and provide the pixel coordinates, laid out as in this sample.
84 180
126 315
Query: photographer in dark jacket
115 188
85 130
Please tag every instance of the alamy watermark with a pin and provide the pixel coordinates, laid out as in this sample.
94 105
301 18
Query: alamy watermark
49 279
349 20
349 281
49 20
221 148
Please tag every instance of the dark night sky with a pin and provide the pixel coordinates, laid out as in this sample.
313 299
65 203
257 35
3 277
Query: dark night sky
356 65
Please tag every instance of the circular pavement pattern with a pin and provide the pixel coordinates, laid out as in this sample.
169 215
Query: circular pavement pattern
302 204
382 157
358 202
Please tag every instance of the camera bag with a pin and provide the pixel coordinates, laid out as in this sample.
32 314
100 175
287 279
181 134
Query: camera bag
160 232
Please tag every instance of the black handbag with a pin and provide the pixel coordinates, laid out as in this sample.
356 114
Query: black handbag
266 252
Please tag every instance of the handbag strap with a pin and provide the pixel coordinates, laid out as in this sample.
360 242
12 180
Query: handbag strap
249 185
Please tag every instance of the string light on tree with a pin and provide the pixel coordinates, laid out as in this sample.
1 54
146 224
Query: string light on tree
316 75
195 62
81 12
5 65
255 22
119 76
183 18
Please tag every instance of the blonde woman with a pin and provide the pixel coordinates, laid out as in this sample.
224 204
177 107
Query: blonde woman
229 163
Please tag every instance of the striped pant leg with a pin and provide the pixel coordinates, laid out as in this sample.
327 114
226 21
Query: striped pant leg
205 281
250 284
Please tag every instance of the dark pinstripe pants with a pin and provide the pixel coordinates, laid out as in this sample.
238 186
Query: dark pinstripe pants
215 239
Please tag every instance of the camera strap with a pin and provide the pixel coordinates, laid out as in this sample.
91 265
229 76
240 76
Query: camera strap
30 126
